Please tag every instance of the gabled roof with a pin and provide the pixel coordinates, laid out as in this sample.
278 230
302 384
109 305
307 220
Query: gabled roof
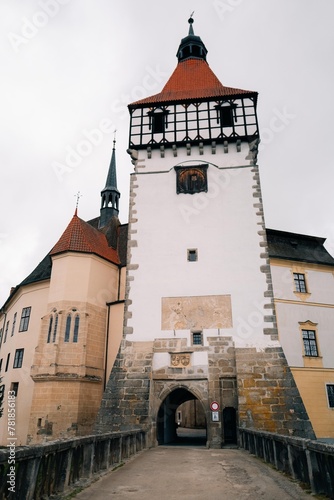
192 79
79 236
298 247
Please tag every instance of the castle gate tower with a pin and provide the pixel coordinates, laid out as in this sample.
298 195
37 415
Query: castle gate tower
199 318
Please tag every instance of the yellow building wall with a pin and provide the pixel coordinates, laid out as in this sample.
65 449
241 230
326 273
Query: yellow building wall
311 383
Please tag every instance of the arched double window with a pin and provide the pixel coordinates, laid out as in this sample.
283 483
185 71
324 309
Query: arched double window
68 329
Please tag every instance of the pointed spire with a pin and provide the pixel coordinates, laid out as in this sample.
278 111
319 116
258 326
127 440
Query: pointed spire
110 195
191 47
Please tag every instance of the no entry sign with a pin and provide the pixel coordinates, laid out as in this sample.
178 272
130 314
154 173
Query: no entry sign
214 406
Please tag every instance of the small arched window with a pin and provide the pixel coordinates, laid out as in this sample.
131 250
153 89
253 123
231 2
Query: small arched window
55 329
50 329
68 328
76 329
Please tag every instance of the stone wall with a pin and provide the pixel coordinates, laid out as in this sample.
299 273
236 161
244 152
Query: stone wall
268 396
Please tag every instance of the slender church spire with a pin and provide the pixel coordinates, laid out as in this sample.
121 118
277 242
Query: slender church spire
110 195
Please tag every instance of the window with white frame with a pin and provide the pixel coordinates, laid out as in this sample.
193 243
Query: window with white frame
25 317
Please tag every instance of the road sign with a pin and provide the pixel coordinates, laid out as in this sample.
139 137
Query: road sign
214 406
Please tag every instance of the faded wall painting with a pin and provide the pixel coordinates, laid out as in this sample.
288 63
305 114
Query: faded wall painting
186 313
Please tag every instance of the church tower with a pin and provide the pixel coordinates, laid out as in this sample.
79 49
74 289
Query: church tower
199 317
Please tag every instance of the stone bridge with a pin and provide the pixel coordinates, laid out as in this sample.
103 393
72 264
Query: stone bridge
90 467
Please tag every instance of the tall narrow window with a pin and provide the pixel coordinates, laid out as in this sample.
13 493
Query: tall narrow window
18 359
7 362
310 343
50 329
1 331
330 395
14 387
25 316
300 282
76 329
68 328
6 332
14 322
55 329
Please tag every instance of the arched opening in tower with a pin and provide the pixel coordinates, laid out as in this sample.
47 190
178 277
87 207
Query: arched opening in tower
181 420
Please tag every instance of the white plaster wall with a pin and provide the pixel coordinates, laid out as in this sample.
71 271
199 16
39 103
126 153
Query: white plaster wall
34 296
222 224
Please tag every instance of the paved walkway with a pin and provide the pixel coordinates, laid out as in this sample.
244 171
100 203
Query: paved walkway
196 473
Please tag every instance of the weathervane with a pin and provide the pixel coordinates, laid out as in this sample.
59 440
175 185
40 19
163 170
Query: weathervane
78 196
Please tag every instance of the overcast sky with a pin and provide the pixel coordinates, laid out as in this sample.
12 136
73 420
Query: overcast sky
70 67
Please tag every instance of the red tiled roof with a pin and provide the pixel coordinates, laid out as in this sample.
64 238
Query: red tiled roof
192 79
79 236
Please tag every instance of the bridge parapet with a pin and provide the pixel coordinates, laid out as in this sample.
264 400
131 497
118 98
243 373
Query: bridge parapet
310 462
57 468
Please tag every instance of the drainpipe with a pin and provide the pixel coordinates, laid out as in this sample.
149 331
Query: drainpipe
109 304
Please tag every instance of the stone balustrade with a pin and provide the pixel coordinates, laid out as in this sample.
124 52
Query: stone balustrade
57 468
310 462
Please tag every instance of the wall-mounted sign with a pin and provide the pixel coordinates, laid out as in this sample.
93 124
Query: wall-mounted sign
215 416
214 406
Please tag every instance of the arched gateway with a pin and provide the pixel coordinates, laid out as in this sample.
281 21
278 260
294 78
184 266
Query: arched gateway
169 417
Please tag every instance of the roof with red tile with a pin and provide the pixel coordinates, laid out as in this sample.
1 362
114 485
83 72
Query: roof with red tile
192 79
79 236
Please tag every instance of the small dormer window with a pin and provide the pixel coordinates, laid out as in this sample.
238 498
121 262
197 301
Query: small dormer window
226 114
158 121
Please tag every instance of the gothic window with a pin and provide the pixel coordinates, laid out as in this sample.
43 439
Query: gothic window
300 282
310 343
68 328
52 330
18 359
191 180
55 329
330 395
25 317
76 329
14 322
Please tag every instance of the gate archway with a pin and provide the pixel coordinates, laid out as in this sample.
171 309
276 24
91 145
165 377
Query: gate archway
168 430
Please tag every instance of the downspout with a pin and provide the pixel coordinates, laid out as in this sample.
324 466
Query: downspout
109 304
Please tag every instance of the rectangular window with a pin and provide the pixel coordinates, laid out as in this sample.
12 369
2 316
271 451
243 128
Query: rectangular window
330 395
25 316
7 362
1 364
226 116
192 255
18 358
300 282
197 338
6 332
1 330
14 387
310 343
14 323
